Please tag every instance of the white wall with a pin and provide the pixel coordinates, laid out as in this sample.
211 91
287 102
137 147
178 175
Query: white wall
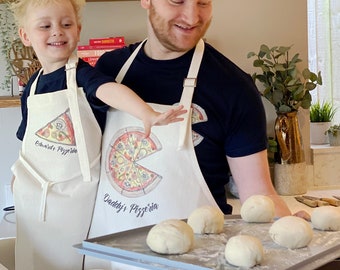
9 149
237 28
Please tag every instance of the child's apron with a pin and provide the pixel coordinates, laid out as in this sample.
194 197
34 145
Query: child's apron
144 181
56 177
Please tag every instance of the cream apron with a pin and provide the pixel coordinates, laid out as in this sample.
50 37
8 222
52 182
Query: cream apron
144 181
57 177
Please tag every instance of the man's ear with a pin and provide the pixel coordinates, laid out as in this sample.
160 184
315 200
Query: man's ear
145 4
79 31
24 37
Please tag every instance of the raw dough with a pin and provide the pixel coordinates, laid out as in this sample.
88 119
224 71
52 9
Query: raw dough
258 208
291 232
244 251
170 236
206 219
326 218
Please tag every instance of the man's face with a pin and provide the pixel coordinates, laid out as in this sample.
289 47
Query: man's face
179 24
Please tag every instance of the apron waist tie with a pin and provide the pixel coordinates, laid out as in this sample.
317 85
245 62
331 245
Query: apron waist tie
45 185
42 213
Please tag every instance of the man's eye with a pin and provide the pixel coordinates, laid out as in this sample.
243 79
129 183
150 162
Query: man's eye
67 25
204 3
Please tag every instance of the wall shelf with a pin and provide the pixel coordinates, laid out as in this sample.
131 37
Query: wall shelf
6 102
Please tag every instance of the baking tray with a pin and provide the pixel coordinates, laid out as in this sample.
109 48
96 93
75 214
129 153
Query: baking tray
130 247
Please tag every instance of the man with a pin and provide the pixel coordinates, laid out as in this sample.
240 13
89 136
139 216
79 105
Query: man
185 167
233 125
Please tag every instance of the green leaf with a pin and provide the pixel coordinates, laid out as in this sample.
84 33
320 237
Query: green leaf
310 86
284 108
258 63
250 54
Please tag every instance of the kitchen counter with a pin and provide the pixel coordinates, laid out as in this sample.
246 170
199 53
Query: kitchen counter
292 203
7 221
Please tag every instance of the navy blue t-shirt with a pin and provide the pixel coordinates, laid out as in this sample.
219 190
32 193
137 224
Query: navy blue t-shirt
87 77
230 118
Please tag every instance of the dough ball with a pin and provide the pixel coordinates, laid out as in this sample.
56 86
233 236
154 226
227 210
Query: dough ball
244 251
170 236
291 232
258 208
206 219
326 218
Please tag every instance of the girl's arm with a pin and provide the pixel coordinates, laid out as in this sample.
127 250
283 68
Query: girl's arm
123 98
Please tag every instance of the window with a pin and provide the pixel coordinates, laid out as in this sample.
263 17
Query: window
324 49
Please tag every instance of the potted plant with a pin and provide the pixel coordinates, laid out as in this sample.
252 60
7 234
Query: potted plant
321 116
8 32
287 89
334 135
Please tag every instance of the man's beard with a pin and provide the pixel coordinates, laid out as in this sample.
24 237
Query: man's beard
167 39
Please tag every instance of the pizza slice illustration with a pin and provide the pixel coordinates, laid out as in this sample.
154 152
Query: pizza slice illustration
198 114
59 130
128 146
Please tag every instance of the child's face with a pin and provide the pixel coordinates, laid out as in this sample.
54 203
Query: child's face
53 32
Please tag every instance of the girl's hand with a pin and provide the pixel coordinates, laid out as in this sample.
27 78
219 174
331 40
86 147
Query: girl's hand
161 119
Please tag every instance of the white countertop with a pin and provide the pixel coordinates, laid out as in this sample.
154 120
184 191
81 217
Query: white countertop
292 203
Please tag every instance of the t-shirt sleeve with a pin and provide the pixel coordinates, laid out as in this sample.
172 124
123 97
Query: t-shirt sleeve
248 125
90 79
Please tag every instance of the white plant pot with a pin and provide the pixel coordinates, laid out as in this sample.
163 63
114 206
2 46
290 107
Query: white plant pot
290 179
318 133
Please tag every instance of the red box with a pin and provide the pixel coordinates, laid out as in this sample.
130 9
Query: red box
107 41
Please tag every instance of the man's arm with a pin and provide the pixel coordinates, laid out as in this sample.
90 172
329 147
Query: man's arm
252 176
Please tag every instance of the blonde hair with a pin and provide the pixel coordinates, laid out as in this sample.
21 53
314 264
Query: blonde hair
19 8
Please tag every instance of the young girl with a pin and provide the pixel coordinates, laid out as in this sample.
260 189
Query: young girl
56 175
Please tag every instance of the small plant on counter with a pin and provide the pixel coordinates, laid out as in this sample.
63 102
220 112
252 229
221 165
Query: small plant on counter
334 130
334 135
322 112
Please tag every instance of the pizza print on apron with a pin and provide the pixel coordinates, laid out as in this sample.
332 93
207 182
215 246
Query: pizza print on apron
59 130
127 147
198 116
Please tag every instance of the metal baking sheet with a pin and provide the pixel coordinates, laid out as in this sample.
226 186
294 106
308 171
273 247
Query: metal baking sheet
130 247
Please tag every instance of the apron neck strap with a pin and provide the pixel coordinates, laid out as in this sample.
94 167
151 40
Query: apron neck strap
127 64
73 101
34 84
189 85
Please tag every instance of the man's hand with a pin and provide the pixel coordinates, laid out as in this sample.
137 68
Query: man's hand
302 214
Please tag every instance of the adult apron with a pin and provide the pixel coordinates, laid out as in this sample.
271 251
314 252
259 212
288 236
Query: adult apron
56 177
146 180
